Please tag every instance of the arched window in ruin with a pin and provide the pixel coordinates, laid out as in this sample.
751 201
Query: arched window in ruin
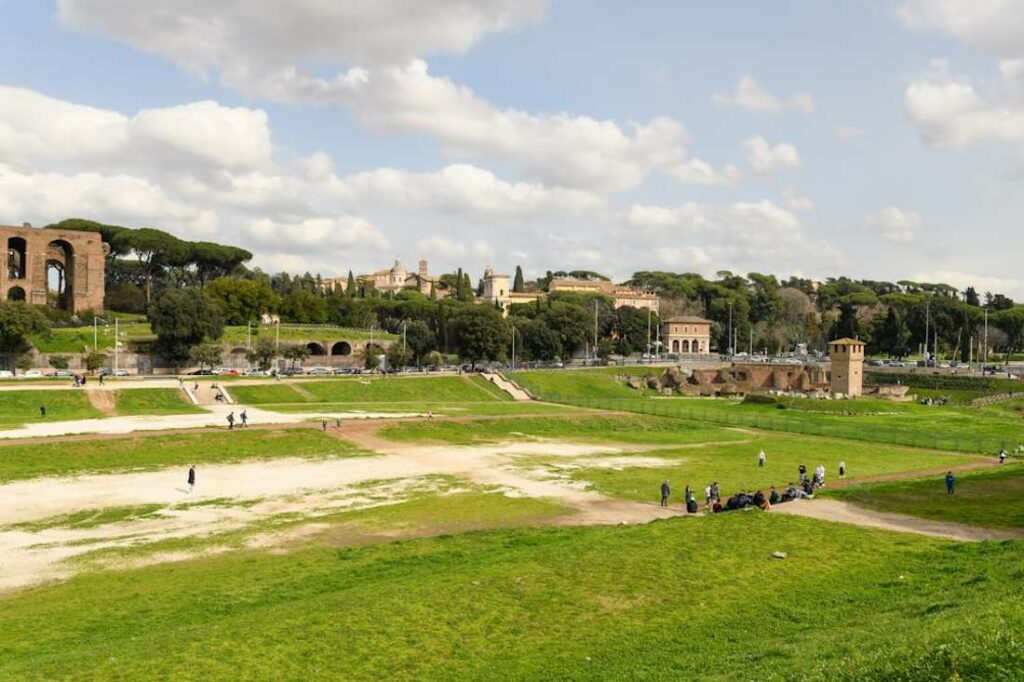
15 294
341 348
315 348
16 258
59 274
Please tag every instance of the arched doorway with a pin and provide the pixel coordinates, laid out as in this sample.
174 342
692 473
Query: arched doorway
315 348
60 274
341 348
675 345
686 346
16 258
15 294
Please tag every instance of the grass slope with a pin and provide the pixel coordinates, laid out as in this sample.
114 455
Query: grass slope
21 461
671 600
155 401
372 390
992 498
22 407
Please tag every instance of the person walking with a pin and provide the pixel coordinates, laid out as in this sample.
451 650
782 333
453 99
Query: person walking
666 491
842 468
325 425
231 421
760 459
950 482
191 478
245 419
1002 456
101 378
42 411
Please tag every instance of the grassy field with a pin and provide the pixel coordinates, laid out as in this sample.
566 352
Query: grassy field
372 390
947 428
155 401
589 427
680 599
29 460
22 407
993 498
449 409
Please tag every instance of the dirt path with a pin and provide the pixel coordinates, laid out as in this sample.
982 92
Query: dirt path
103 401
844 512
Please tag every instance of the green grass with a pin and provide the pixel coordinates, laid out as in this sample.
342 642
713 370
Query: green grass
238 335
29 460
590 383
419 407
992 497
91 518
22 407
372 390
154 401
734 465
600 428
946 428
682 599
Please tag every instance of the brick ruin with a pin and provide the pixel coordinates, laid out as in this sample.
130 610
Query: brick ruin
62 268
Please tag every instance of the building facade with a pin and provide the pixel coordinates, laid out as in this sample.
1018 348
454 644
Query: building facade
687 335
498 290
847 356
622 295
62 268
394 279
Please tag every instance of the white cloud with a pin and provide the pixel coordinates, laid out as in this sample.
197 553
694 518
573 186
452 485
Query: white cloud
697 172
895 224
465 189
751 96
316 234
951 113
35 128
795 201
742 235
252 35
996 26
765 159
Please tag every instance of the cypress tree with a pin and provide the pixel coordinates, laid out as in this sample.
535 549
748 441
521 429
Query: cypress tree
350 287
517 284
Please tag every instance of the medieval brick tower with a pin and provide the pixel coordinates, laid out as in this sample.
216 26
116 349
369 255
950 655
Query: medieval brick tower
847 367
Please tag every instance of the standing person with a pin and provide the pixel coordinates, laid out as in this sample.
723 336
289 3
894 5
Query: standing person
1002 455
842 468
803 473
820 473
687 495
715 493
666 491
325 425
191 478
231 421
101 378
245 419
707 496
760 459
42 410
950 482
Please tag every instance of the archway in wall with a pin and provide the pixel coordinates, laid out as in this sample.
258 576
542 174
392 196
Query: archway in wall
675 345
315 348
60 274
16 258
686 346
15 294
341 348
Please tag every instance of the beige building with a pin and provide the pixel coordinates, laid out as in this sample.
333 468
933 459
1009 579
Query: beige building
393 279
63 268
847 357
622 295
498 289
687 335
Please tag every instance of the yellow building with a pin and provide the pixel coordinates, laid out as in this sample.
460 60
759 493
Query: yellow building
687 335
622 295
393 280
498 289
847 357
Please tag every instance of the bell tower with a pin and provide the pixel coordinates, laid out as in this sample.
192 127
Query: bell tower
847 357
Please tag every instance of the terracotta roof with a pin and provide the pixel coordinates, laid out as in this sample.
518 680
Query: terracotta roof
846 342
690 319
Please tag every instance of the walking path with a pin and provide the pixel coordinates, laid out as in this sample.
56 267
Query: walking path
844 512
507 385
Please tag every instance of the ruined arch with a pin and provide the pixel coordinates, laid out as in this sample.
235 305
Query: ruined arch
341 348
15 294
16 257
60 274
315 348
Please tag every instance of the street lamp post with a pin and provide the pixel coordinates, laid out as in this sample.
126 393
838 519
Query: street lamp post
513 348
730 330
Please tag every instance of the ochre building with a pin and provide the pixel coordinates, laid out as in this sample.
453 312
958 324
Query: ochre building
62 268
686 335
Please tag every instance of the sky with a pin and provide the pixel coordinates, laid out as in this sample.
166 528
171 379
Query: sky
872 139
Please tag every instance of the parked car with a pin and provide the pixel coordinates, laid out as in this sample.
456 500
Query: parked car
291 371
32 374
225 372
61 373
201 373
256 372
6 374
318 371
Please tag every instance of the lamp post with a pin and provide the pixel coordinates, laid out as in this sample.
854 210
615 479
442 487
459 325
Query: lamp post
513 347
729 352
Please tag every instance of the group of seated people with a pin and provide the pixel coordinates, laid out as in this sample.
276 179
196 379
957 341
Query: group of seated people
758 500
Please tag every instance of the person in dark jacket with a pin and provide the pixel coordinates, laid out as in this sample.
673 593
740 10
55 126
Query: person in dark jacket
666 491
950 482
191 478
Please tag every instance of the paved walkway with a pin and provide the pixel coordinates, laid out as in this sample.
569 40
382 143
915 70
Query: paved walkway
507 385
